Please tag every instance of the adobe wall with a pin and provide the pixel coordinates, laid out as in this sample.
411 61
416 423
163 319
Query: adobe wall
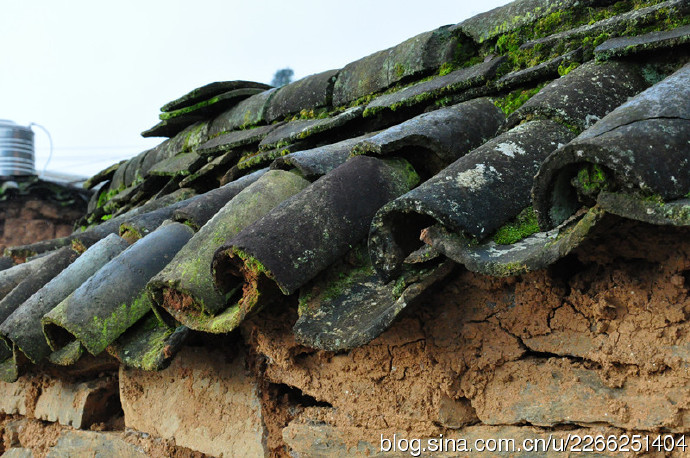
29 219
598 344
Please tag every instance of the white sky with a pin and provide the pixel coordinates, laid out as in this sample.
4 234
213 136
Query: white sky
96 73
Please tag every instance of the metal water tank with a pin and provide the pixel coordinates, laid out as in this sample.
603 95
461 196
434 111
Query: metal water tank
16 150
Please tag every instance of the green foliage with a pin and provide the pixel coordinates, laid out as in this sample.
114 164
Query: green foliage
282 77
524 224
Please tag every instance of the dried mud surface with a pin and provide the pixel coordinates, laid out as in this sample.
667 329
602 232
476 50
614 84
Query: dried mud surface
601 338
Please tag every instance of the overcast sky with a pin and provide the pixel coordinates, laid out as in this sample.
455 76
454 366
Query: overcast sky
96 73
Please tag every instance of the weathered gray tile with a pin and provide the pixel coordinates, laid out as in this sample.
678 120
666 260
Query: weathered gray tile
376 72
624 46
435 88
313 91
209 91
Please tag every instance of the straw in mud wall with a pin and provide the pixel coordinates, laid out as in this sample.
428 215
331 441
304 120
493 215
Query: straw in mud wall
308 232
113 299
185 288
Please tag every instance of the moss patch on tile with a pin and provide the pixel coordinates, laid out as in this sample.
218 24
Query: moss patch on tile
515 99
524 224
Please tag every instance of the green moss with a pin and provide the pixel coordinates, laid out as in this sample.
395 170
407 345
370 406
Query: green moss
594 41
345 281
443 102
508 270
511 43
105 196
175 113
282 144
250 262
107 329
524 224
405 171
399 287
515 99
106 217
508 43
591 179
446 68
256 159
654 198
399 70
320 113
564 70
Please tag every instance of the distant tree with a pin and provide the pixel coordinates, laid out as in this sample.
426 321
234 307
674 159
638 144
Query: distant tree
282 77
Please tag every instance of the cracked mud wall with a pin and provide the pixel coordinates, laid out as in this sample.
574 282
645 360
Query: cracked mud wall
599 340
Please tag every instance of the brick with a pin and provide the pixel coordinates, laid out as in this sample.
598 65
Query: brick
203 401
305 437
88 444
78 405
557 391
13 396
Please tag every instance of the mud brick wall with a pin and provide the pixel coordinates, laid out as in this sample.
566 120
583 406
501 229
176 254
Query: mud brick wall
29 219
596 342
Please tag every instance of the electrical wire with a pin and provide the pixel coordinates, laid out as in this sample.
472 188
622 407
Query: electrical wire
50 141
